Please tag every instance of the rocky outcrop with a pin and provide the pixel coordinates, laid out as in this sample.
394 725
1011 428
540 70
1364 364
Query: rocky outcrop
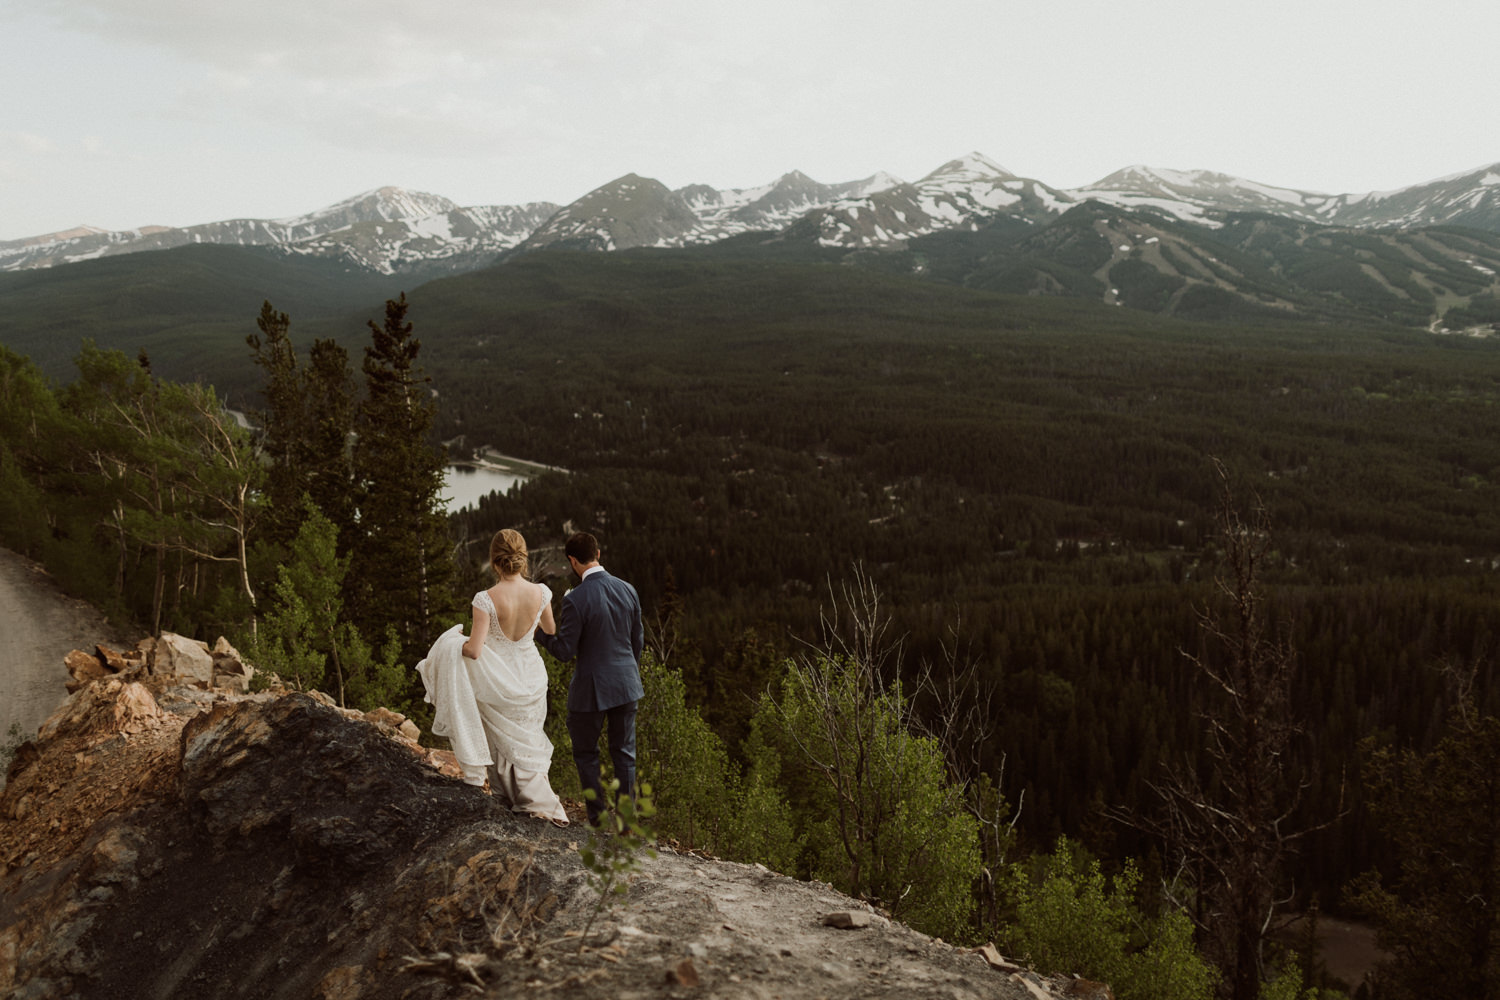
169 655
186 658
164 841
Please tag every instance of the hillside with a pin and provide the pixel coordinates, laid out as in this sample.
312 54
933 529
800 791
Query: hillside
167 842
1193 244
188 308
1246 267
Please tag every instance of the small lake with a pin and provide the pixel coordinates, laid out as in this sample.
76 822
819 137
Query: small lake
463 485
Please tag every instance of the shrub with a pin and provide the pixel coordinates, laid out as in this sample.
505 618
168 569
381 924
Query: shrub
880 819
685 759
1071 918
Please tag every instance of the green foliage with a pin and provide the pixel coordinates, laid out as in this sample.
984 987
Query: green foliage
880 819
138 493
1481 310
614 848
304 622
1212 304
374 677
288 638
694 779
1032 467
304 428
1226 815
306 632
1441 810
31 425
702 800
1288 984
328 384
563 774
761 825
1071 918
23 522
284 422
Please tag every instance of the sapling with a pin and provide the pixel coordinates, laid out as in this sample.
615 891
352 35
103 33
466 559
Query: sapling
615 845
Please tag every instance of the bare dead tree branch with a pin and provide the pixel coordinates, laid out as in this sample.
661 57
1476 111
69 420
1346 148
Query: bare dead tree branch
1224 822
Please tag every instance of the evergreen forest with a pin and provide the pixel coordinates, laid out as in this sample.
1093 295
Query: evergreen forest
1077 567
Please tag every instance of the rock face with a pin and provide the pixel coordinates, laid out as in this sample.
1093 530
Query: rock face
184 657
161 841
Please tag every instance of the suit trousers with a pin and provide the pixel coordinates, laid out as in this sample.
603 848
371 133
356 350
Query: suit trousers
584 728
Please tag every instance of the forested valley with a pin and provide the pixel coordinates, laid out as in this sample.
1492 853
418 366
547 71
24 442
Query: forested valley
1028 495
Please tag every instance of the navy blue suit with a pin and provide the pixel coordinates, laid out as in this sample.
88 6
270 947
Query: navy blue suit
599 623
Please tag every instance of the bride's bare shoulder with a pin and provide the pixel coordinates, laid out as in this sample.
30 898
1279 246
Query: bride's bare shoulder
508 593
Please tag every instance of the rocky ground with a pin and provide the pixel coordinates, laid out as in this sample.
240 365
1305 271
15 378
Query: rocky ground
165 839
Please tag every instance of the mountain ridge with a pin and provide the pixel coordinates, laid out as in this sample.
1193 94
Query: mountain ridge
1195 244
878 210
350 229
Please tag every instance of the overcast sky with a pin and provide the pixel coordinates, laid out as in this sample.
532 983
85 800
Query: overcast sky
123 113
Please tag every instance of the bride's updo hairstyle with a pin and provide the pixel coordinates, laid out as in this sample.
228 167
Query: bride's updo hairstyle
508 552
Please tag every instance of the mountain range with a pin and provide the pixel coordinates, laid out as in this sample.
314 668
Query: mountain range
1193 243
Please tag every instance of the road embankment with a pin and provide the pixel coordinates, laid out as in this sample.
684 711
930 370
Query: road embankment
39 624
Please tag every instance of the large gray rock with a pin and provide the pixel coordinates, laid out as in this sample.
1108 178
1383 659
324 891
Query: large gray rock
184 657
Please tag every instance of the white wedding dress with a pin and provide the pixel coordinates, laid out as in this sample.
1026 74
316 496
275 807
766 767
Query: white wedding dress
492 710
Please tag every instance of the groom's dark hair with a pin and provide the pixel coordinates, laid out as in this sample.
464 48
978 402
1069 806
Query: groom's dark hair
583 546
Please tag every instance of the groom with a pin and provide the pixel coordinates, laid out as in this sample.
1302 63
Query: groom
600 624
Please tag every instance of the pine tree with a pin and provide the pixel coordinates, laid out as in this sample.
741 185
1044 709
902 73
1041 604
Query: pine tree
284 420
328 386
402 567
307 634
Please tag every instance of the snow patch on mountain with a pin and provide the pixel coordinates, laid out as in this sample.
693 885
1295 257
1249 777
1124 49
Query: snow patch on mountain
963 193
391 229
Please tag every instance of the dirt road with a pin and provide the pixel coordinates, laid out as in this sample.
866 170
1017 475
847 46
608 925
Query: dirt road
38 625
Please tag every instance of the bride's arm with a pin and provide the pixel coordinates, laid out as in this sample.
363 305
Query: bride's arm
545 622
475 642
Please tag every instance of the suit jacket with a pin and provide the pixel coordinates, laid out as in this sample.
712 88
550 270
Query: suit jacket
600 623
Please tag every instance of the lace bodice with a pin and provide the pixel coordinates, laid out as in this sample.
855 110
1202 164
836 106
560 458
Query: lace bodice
496 637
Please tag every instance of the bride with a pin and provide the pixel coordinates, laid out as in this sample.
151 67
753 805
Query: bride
491 690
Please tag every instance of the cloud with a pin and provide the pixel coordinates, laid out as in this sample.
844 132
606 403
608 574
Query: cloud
28 143
370 41
469 78
459 78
